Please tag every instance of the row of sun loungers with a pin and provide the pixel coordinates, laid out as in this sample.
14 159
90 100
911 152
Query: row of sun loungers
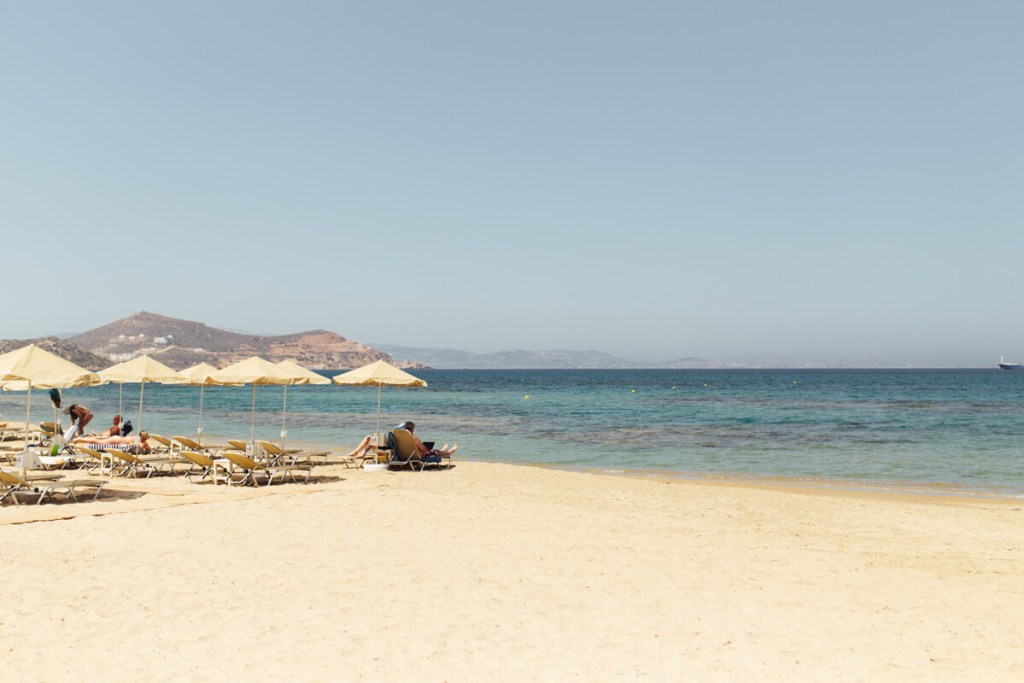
180 456
190 459
45 486
231 463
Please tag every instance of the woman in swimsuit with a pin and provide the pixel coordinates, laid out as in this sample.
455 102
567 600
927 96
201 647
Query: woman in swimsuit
80 416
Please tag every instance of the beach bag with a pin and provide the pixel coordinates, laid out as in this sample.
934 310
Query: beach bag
126 428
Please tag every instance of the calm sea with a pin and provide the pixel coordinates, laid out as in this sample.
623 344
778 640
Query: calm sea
908 429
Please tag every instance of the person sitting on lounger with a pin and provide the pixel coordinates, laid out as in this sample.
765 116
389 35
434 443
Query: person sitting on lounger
365 448
114 429
422 448
143 444
367 445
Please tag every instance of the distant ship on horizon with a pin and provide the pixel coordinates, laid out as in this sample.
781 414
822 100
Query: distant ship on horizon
1003 365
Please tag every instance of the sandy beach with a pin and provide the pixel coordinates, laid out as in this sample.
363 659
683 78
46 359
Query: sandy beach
499 572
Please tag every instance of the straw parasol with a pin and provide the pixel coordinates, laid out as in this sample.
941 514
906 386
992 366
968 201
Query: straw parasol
199 375
142 369
256 371
378 374
299 371
44 370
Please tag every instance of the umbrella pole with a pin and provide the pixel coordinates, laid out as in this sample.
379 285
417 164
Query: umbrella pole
376 437
142 388
252 434
28 416
284 417
120 398
199 430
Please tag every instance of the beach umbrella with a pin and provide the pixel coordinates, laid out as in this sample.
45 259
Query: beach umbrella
140 370
256 371
39 368
199 375
378 374
299 371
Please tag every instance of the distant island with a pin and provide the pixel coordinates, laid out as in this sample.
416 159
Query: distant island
562 359
181 343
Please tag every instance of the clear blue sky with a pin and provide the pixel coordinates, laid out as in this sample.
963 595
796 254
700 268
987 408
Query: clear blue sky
651 179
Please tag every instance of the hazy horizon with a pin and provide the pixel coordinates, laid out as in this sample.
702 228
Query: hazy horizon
654 180
765 360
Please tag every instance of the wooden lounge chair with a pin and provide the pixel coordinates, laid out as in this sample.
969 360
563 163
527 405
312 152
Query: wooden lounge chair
251 469
46 486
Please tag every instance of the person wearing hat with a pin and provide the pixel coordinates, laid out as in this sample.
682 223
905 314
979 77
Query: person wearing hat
80 417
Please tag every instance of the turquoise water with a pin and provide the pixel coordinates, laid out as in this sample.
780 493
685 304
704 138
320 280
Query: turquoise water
905 428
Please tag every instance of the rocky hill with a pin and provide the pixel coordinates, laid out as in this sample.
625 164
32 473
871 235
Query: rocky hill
58 347
181 343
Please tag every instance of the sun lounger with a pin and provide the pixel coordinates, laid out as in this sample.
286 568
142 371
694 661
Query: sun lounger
58 462
290 456
403 451
50 429
46 487
405 454
164 445
238 445
92 458
197 460
357 460
101 446
185 443
132 465
9 432
10 453
250 469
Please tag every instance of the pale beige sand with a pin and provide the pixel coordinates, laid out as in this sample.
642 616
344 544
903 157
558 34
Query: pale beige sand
491 572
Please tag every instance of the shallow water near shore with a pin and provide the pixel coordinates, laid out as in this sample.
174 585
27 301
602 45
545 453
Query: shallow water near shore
906 429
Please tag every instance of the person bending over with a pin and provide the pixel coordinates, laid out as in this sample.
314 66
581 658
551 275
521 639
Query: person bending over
80 417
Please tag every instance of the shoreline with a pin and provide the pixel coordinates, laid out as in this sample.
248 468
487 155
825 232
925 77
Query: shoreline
913 490
855 487
158 492
844 487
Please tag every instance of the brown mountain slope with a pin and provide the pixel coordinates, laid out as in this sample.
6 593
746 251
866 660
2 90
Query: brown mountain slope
58 347
181 343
